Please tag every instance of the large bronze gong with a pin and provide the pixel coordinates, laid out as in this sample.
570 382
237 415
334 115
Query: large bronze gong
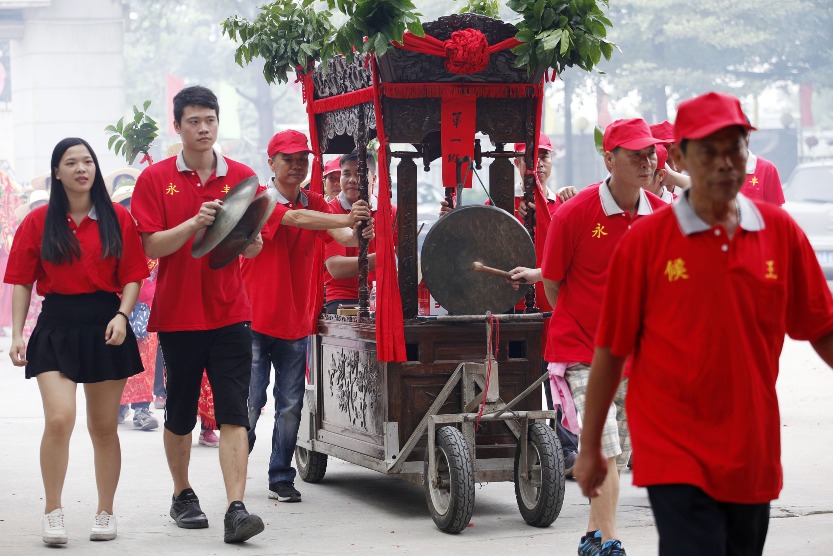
475 234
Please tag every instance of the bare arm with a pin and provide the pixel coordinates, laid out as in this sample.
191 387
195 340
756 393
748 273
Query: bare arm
551 288
163 243
116 330
605 376
315 220
341 267
21 296
824 347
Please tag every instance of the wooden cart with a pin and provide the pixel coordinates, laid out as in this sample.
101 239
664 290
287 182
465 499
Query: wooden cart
416 419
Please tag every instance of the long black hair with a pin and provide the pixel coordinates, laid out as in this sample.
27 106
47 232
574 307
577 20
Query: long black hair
59 244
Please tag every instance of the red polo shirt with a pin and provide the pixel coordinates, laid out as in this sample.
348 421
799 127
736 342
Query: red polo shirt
704 317
762 181
280 280
348 288
580 242
189 294
88 274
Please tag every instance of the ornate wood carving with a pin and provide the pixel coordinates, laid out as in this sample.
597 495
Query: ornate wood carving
342 76
502 182
353 382
409 120
345 122
502 119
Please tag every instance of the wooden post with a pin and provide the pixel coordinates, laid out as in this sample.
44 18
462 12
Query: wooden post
529 191
364 291
406 196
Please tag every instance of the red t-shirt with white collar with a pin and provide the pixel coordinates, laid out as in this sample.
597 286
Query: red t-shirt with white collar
762 181
280 281
580 241
348 288
88 274
703 317
189 294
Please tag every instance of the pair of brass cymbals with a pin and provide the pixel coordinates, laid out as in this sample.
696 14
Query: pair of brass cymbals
243 214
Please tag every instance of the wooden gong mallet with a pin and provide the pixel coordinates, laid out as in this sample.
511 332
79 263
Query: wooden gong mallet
480 267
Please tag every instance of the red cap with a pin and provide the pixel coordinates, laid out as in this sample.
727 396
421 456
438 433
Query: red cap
633 134
703 115
662 157
331 166
663 131
288 142
543 143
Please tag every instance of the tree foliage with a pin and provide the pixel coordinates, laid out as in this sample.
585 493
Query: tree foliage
676 48
134 137
291 37
561 33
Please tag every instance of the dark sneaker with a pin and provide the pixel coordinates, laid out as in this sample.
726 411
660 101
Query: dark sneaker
185 509
284 491
240 525
590 544
569 463
613 547
143 419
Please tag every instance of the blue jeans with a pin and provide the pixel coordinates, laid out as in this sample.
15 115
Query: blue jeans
289 357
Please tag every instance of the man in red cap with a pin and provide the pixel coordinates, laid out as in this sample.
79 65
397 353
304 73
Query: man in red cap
332 179
579 245
704 410
656 186
202 315
283 283
342 263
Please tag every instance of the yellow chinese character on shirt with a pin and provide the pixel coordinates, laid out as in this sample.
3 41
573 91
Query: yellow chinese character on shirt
171 189
754 180
770 271
226 189
599 231
676 270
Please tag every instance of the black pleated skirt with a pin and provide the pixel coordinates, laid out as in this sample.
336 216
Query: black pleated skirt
69 337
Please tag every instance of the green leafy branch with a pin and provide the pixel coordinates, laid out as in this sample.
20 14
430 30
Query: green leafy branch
290 37
134 137
287 35
561 33
489 8
381 21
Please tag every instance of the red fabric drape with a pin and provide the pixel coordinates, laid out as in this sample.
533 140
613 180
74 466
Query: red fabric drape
390 325
316 184
345 100
458 129
465 52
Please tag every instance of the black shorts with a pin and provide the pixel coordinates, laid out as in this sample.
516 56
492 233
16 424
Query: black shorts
226 355
691 523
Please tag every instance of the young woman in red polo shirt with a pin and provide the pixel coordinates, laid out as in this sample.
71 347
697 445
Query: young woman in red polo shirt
83 252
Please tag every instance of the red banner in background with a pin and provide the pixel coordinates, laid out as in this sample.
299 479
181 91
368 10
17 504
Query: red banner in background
805 95
458 126
173 85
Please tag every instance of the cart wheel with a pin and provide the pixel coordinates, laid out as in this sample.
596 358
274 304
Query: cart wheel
451 498
539 488
311 465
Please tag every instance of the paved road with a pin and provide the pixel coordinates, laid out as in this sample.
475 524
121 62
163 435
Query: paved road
357 511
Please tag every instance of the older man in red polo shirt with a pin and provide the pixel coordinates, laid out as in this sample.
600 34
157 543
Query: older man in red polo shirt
283 283
702 403
202 315
580 242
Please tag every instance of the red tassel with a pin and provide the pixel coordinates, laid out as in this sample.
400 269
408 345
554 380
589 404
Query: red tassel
481 90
